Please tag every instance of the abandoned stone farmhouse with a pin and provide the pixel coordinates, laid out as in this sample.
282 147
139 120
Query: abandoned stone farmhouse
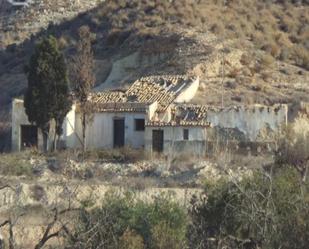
155 113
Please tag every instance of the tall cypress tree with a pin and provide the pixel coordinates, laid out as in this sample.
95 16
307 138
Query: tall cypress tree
47 96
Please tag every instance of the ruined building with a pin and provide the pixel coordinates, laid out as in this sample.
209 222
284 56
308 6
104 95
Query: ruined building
155 114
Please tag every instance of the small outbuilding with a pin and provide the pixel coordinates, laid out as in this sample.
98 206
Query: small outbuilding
184 132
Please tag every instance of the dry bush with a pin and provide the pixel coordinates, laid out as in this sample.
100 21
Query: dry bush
63 42
230 84
16 164
121 155
164 237
246 59
266 61
285 54
293 146
37 192
272 48
233 72
131 240
182 162
287 24
266 76
243 80
301 56
217 28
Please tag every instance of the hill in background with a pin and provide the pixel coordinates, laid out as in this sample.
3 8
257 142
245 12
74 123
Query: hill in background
264 45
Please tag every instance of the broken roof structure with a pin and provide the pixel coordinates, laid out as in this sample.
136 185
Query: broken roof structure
161 89
184 115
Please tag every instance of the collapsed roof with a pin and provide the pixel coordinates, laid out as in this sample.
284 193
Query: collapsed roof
184 115
161 89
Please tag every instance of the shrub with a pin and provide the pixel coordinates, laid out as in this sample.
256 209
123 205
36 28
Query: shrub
272 48
266 61
293 146
285 54
301 57
15 164
246 59
131 240
120 214
37 192
254 213
164 237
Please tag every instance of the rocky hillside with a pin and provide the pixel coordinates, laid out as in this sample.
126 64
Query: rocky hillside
263 44
18 24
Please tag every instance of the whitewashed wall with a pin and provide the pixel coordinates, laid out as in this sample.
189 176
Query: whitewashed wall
189 92
100 132
249 120
174 142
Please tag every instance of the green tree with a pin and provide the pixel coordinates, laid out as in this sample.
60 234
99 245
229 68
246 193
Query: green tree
62 106
47 95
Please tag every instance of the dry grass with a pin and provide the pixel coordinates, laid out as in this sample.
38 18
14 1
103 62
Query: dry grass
121 155
15 164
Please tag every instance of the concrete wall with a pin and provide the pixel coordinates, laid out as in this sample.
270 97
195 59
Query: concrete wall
252 121
189 92
100 131
174 142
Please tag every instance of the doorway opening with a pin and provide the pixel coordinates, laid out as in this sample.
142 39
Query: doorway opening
157 140
119 132
29 136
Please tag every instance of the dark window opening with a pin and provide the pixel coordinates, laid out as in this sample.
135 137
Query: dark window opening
139 124
185 134
29 136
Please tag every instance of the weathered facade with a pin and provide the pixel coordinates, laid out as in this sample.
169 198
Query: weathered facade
173 140
25 134
124 125
155 114
118 117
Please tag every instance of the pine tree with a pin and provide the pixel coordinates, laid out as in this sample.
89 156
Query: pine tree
47 95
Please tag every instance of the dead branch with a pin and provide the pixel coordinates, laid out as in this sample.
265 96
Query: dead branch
6 186
11 233
63 228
